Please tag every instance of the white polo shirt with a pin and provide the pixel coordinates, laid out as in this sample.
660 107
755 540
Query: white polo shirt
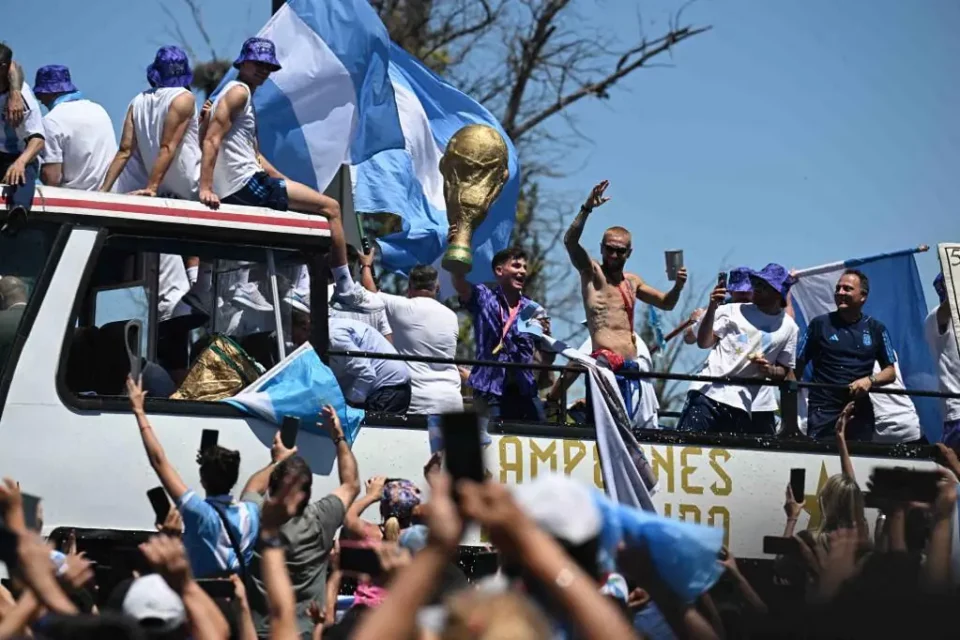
425 327
14 140
80 137
359 377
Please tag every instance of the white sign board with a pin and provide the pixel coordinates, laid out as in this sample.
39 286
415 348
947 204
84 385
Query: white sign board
950 266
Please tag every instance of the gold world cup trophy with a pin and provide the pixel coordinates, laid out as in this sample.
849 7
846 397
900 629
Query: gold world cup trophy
474 169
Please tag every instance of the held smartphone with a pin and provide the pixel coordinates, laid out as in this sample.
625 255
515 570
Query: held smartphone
158 500
463 446
209 439
797 481
722 280
288 431
777 546
8 548
131 335
357 557
31 510
899 484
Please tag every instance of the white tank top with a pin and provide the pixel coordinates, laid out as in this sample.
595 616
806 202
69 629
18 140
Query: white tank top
237 160
150 110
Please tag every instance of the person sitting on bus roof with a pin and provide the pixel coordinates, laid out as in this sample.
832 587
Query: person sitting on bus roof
376 384
507 393
754 340
843 346
161 126
80 142
20 146
232 168
209 545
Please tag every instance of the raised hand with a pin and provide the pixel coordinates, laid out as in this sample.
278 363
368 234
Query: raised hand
790 505
172 525
168 557
330 422
596 197
845 416
278 452
375 486
78 571
136 394
281 506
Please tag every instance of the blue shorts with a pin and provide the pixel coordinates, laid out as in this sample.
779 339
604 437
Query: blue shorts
261 191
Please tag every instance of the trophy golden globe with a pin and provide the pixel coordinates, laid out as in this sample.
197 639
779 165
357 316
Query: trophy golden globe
474 169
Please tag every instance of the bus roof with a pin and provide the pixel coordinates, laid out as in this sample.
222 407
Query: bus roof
93 204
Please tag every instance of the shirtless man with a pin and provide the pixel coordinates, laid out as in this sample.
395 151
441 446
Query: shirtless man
609 295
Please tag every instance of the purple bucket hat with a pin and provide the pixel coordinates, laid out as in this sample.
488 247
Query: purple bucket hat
739 280
777 277
53 78
399 499
170 69
258 50
940 286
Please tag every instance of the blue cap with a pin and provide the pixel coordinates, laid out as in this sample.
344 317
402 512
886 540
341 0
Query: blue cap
53 78
258 50
170 69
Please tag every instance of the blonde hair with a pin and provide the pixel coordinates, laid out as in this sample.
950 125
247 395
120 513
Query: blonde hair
500 616
391 530
841 506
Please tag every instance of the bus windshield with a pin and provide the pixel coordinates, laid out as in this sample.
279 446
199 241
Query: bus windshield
22 258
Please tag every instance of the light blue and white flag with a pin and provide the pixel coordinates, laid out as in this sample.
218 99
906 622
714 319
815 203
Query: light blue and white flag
301 385
407 181
896 299
332 102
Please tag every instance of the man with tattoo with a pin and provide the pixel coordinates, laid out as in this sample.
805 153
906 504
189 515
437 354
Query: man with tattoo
610 296
16 108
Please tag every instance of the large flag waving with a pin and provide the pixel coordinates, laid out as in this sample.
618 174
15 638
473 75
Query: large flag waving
332 102
896 299
407 181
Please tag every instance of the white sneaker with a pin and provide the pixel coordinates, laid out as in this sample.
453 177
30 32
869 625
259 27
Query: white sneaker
297 300
357 299
248 296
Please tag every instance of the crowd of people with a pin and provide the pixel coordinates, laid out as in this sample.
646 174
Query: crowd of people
280 562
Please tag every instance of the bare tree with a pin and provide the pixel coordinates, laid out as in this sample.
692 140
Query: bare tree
207 72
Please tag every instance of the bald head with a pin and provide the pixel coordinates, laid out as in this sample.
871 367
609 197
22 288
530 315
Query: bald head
615 249
12 291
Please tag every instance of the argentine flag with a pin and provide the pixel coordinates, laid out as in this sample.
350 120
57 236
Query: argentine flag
299 386
407 181
332 102
896 299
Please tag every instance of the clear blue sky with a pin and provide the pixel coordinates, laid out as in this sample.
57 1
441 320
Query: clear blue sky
800 132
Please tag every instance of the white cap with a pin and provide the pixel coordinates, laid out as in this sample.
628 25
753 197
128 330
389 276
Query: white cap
562 507
151 598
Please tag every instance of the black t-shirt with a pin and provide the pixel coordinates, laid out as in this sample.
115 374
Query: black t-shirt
842 352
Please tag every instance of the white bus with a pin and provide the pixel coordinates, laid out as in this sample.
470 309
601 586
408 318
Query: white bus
89 263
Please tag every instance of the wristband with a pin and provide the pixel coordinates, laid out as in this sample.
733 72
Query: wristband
338 440
872 379
272 542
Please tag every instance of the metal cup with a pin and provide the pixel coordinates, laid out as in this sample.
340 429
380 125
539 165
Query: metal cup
674 258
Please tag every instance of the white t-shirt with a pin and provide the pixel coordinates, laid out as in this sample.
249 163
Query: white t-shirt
742 329
376 319
149 110
237 159
895 418
173 284
425 327
13 141
765 399
943 346
79 136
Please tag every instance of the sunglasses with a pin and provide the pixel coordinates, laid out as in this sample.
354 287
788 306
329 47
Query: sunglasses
620 251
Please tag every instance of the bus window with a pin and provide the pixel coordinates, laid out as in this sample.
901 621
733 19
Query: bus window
22 257
201 305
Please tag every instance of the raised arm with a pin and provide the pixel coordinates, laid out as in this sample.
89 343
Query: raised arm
273 566
16 105
846 463
366 271
260 481
571 240
181 111
346 462
220 121
706 338
352 522
666 301
169 477
128 144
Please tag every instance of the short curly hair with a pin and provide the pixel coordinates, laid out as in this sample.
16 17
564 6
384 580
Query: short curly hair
219 469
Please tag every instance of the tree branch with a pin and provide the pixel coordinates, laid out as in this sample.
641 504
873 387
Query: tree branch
646 52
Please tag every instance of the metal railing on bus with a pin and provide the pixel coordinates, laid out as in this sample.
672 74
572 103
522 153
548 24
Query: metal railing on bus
789 389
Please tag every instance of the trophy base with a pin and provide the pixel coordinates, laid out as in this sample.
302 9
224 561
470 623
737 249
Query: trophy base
457 259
